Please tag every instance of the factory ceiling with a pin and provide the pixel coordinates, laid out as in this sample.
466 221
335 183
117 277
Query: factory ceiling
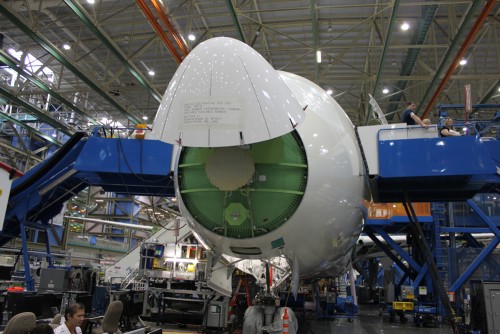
73 64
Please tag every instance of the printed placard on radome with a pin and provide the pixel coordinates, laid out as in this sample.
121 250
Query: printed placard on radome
215 112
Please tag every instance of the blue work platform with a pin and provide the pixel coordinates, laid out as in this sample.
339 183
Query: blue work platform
123 166
413 164
436 169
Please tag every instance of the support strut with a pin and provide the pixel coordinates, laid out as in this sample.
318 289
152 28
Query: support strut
424 248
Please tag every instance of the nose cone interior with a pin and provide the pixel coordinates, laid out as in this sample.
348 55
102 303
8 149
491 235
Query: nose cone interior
244 192
229 168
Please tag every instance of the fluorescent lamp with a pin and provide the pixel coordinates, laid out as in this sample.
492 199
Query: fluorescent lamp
318 56
107 222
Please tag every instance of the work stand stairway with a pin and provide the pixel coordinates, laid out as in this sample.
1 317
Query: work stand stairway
440 245
441 253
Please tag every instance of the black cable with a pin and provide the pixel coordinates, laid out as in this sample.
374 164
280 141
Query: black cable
131 170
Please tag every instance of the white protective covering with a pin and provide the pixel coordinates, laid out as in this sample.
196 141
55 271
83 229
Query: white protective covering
254 323
224 94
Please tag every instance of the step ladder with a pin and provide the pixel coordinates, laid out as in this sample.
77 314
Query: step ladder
242 282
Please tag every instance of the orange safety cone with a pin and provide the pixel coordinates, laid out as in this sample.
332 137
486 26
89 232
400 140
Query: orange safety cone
285 321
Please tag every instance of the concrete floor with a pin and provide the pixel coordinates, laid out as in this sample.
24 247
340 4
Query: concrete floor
367 320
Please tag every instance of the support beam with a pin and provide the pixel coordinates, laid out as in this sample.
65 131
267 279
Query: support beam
420 276
161 10
40 84
108 222
236 21
484 218
417 42
424 247
387 43
473 242
484 253
54 52
159 30
398 248
42 118
475 264
470 37
75 6
314 28
29 282
31 131
388 252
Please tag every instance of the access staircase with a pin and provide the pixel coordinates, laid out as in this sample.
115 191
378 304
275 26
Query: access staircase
126 270
123 166
440 246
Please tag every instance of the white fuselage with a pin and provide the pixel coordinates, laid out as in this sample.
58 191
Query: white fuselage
321 233
253 103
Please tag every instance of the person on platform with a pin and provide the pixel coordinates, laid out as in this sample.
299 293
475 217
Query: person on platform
409 116
447 129
74 315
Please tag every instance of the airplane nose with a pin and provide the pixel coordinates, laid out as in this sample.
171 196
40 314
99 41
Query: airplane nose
225 94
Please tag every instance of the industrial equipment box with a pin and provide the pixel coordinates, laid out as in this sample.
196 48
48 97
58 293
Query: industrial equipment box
491 292
216 315
402 306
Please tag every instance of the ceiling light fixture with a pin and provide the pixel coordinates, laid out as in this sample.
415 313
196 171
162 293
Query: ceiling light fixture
66 46
91 2
318 56
385 90
405 26
145 117
329 92
463 62
191 37
151 72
